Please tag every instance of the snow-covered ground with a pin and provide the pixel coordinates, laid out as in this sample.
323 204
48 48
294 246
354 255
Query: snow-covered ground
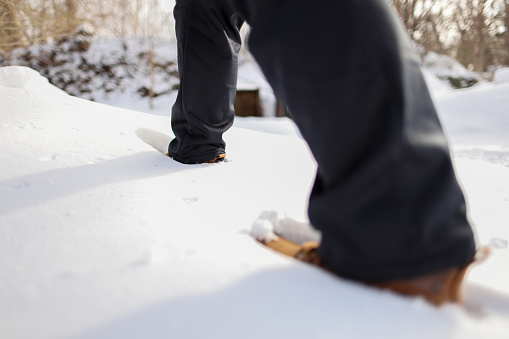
101 236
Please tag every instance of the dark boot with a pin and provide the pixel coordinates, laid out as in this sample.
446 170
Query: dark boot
437 288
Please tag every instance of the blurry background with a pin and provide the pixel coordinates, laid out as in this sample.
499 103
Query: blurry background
475 32
25 22
120 51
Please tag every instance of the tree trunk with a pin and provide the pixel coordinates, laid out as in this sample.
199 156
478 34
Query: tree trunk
506 33
71 20
10 28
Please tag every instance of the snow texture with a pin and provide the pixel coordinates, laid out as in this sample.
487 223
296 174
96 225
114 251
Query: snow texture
101 236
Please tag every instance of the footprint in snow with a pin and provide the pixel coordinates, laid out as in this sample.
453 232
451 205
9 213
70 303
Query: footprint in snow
499 244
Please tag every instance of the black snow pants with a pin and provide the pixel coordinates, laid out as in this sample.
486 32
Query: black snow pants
385 197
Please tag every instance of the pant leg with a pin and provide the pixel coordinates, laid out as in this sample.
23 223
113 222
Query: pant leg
385 196
208 41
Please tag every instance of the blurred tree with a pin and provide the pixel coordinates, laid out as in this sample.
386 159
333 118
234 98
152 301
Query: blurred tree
10 28
476 32
71 19
424 21
503 33
477 22
24 22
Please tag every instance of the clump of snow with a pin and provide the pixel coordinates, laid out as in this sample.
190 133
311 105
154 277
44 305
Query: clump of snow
298 231
271 216
271 224
263 230
501 76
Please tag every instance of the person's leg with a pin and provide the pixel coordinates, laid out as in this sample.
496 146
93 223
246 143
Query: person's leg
208 41
385 197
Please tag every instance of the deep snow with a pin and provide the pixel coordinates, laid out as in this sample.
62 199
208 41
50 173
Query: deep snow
101 236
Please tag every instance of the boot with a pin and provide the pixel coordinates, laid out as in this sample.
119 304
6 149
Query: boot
218 158
437 288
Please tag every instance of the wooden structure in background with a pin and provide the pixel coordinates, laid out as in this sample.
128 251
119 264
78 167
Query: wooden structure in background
247 103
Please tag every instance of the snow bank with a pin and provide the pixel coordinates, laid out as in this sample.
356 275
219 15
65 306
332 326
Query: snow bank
27 78
445 66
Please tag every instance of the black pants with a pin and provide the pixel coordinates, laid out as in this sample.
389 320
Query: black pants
385 196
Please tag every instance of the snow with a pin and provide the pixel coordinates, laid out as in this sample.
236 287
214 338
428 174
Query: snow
263 230
501 76
27 78
477 121
270 224
101 236
444 66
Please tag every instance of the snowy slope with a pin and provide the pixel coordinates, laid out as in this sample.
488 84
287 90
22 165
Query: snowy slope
101 236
